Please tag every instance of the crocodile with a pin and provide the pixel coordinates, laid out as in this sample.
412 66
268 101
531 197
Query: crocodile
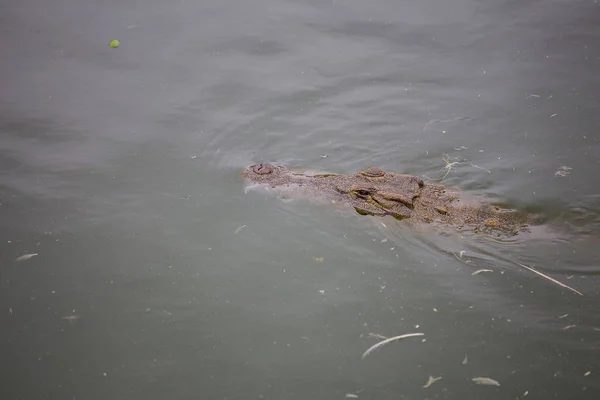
376 192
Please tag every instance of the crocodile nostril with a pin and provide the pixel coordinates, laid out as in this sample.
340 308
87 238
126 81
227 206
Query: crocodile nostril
262 169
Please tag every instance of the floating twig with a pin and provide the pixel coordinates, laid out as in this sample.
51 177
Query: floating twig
378 336
389 340
431 381
477 166
550 279
25 257
485 381
448 165
481 270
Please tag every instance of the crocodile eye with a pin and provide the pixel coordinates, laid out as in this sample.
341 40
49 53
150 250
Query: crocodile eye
363 192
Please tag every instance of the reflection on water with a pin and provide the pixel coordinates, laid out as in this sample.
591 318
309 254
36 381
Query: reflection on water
158 276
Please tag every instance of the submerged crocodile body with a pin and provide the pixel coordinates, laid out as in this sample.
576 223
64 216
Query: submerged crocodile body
374 191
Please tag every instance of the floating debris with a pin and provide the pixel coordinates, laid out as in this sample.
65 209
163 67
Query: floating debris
550 279
319 259
563 171
563 316
587 373
439 121
477 166
553 115
378 336
351 396
71 318
485 381
389 340
431 381
568 327
114 44
25 257
448 167
460 258
465 361
239 229
479 271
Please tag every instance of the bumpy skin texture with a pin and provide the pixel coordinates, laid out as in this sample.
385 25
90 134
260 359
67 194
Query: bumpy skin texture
377 192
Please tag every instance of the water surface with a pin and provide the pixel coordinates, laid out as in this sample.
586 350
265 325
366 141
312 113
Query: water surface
157 276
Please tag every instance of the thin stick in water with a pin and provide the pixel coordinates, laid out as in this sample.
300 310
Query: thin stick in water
386 341
550 279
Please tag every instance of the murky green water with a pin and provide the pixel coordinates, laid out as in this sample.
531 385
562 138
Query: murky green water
157 276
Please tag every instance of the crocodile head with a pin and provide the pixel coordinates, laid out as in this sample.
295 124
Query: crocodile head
371 191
